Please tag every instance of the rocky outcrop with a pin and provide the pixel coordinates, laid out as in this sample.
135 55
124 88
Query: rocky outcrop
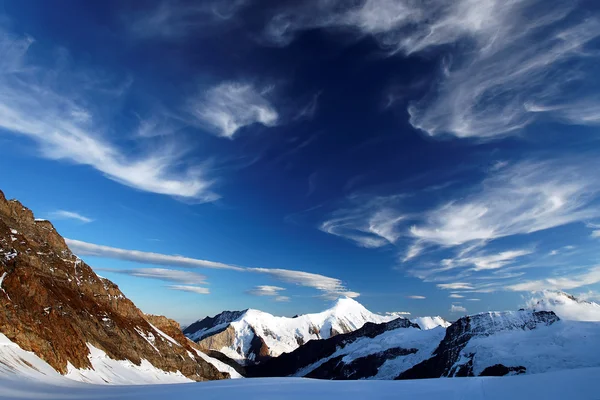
448 360
502 370
211 325
252 336
316 350
53 304
359 368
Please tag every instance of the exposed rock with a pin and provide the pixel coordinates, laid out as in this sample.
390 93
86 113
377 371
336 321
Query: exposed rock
447 361
53 304
360 368
501 370
315 350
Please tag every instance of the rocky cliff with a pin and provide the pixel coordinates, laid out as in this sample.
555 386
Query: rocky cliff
53 304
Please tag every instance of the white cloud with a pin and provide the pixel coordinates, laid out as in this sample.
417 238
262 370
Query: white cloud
595 230
50 107
457 309
63 214
397 313
229 106
175 19
416 297
371 222
473 299
590 277
482 261
456 296
455 286
171 275
524 198
267 290
331 288
508 63
191 289
90 249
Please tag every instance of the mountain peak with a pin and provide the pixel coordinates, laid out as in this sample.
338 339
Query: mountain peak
565 305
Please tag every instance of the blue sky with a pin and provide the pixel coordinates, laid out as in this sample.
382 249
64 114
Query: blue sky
424 157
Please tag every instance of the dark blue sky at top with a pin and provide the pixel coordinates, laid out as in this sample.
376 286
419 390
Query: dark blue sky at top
496 189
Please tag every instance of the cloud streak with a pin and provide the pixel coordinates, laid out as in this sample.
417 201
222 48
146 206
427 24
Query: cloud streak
592 276
330 288
63 214
230 106
43 105
504 64
267 290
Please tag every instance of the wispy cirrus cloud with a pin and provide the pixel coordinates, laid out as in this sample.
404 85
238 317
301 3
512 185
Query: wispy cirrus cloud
369 222
268 290
230 106
524 198
169 275
455 286
568 282
330 288
60 115
63 214
505 65
416 297
190 289
172 20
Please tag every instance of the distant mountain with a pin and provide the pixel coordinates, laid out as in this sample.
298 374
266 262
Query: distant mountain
426 323
495 343
375 351
252 336
566 306
53 305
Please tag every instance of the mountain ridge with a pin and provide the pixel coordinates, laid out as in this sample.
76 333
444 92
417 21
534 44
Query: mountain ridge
54 305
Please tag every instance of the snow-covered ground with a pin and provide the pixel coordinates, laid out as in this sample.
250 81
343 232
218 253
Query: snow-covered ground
580 384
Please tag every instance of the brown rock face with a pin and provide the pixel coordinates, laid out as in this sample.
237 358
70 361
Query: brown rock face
53 304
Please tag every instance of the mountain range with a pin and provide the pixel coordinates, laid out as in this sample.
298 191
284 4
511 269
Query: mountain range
57 317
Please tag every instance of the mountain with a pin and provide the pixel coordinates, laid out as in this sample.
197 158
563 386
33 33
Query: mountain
251 336
495 343
430 322
511 342
566 306
54 306
356 355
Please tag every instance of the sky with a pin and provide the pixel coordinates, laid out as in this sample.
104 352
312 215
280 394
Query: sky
425 157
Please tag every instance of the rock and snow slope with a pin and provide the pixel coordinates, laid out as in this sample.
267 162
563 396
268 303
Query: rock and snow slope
53 304
253 335
498 343
501 343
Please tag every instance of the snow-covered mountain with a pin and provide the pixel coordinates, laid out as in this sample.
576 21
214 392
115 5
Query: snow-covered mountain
495 343
566 306
430 322
254 335
511 342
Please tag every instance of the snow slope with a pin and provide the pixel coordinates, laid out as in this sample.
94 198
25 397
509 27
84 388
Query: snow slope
560 346
18 363
578 384
283 335
567 307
